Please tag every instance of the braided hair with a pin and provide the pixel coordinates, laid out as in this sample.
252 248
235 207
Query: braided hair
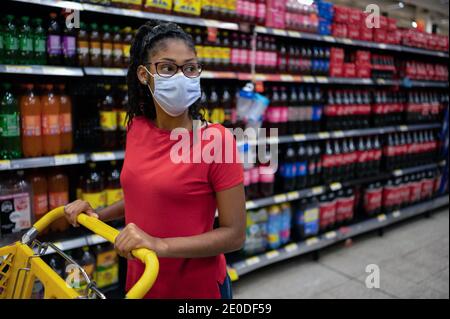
149 38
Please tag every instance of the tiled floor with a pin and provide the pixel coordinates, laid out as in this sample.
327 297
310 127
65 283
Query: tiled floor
413 258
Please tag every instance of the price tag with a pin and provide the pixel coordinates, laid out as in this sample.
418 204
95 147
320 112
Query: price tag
347 41
382 46
287 78
328 38
381 218
5 164
113 72
279 199
279 32
307 79
103 156
366 81
312 241
321 79
317 190
335 186
291 247
250 204
19 69
398 172
381 81
299 137
396 214
233 274
338 134
324 135
330 235
66 159
403 128
293 195
273 140
272 254
294 34
252 261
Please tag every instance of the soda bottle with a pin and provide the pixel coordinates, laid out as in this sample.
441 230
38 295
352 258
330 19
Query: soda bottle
266 176
328 163
273 227
30 110
58 195
113 189
95 46
122 114
107 265
377 154
107 47
38 182
289 169
373 198
69 43
54 47
65 120
285 223
301 167
292 112
25 42
51 130
327 211
87 262
317 176
11 41
370 156
39 42
117 48
93 188
83 46
9 125
283 107
127 39
254 182
108 120
338 160
311 165
307 218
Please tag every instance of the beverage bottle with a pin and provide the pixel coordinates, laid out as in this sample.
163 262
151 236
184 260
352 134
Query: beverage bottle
259 58
283 59
285 223
328 163
338 161
388 152
370 156
11 41
289 169
226 51
87 262
117 48
108 119
301 167
311 165
373 197
227 108
107 265
83 45
95 46
309 109
51 130
122 115
38 182
65 120
58 195
389 197
15 203
113 189
254 182
235 50
362 159
107 47
345 161
30 110
317 177
69 43
283 107
302 112
54 47
415 189
247 182
93 188
292 112
377 154
273 227
25 42
405 190
330 111
39 40
327 211
307 218
317 110
353 158
266 176
127 39
9 125
274 111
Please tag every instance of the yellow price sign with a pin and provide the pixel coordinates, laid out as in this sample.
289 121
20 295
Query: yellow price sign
66 159
233 274
252 261
5 164
312 241
272 254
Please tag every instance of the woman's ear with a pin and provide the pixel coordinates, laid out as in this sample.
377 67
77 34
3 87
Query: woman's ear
142 75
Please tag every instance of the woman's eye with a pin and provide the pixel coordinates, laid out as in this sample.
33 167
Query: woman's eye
167 68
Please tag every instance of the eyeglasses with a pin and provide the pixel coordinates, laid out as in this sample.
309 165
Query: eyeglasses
169 69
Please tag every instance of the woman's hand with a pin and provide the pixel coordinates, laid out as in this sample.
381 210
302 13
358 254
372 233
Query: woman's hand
132 237
72 210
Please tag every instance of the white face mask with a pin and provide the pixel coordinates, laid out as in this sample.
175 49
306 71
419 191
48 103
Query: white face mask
176 94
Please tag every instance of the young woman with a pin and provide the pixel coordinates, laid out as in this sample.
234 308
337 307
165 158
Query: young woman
169 207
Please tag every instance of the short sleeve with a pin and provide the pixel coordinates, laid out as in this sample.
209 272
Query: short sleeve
227 172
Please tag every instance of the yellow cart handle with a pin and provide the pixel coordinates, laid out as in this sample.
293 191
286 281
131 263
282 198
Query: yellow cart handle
148 257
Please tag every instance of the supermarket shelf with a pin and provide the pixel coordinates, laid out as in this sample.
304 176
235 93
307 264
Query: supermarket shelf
60 160
316 243
335 186
349 42
41 70
91 71
425 84
134 13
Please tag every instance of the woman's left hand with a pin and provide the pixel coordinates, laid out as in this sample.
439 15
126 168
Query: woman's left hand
131 238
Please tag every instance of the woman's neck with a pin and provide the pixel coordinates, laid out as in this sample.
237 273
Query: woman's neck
167 122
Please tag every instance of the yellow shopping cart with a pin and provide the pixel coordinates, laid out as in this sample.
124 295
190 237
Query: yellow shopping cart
21 264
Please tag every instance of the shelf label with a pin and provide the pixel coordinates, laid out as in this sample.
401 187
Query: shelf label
279 32
299 137
330 235
233 274
381 218
396 214
382 46
66 159
338 134
329 38
294 34
103 156
307 78
312 241
381 81
19 69
321 79
252 261
250 204
5 164
293 195
273 140
324 135
286 78
398 172
272 254
317 190
291 247
113 72
279 199
403 128
335 186
347 41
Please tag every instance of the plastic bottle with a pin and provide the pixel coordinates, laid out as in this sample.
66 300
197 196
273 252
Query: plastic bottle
113 189
288 169
127 39
11 41
65 120
327 211
38 183
95 46
83 46
274 227
68 43
301 167
58 195
117 48
51 130
285 223
30 110
107 47
108 120
122 115
54 45
9 125
39 40
107 265
25 42
87 261
93 188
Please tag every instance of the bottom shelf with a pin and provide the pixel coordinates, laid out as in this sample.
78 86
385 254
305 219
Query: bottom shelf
316 243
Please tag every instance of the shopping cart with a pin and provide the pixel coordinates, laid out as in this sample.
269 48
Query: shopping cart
21 264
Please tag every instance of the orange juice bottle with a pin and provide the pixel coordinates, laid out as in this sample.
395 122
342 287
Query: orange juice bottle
65 120
58 195
38 183
51 131
30 110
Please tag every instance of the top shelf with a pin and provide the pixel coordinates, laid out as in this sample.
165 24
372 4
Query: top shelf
229 26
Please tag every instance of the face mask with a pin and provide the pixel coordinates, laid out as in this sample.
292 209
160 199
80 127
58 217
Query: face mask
176 94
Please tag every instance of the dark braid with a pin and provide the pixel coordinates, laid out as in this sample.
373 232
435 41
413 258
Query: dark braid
149 38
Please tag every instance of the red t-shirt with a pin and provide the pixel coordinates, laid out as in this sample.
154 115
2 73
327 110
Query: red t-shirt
167 199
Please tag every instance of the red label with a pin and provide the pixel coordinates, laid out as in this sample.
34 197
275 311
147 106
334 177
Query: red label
328 161
50 124
58 199
373 199
247 178
40 204
331 110
363 156
390 196
344 208
415 191
254 175
427 187
266 174
327 213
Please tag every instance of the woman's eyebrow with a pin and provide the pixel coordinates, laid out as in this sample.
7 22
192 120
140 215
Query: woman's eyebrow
175 61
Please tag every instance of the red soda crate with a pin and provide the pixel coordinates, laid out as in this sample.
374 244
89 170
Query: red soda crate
365 33
276 4
336 70
337 56
363 70
339 30
349 70
379 35
354 16
392 24
353 31
341 14
362 57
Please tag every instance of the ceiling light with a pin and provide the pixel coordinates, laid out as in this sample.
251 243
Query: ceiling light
414 24
401 5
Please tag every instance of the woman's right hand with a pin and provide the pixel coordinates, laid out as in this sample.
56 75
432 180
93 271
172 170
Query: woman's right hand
72 210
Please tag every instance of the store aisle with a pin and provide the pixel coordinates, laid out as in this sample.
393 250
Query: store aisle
413 258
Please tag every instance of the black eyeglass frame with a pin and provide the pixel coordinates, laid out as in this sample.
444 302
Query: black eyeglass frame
178 68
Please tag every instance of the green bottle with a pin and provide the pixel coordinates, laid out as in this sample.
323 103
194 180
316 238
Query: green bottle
39 41
9 125
2 48
11 42
25 42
